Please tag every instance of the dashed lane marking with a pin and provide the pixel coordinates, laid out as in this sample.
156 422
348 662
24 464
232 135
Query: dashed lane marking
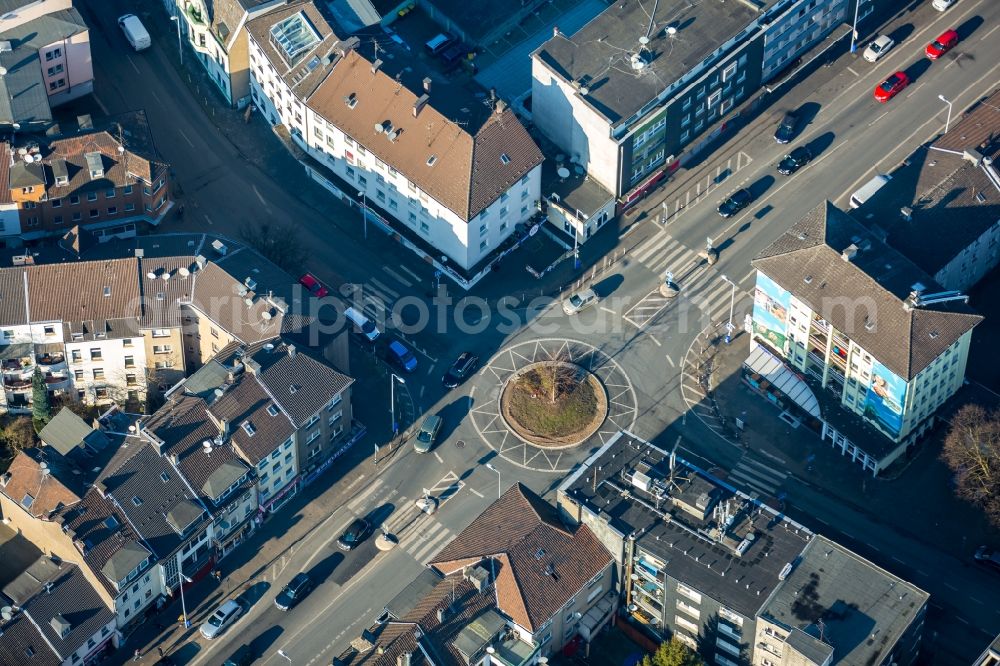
396 276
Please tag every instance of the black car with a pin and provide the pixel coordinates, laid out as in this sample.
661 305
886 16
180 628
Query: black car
736 202
786 128
294 592
794 161
354 534
988 558
464 365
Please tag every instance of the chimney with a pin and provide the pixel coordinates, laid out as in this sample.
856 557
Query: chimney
555 31
907 213
224 427
376 65
291 351
420 103
849 252
102 488
427 84
403 659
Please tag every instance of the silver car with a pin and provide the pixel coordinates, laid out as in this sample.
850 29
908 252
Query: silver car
579 301
220 620
878 48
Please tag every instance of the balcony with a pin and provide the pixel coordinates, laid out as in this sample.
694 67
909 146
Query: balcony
514 652
50 359
56 381
19 384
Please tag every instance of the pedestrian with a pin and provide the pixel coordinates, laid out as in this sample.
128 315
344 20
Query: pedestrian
136 655
159 651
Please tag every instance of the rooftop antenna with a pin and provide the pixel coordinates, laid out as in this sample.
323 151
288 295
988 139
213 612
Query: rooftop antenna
649 29
375 44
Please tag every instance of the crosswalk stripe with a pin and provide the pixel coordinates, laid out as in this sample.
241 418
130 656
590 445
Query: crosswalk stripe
677 259
751 483
426 546
409 272
360 499
399 278
757 474
755 463
385 289
402 517
652 247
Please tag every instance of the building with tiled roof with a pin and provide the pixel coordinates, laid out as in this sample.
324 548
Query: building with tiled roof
72 618
46 62
111 181
39 484
549 576
941 209
876 343
729 576
437 160
22 643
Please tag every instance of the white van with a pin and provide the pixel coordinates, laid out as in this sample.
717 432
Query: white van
135 32
362 324
866 191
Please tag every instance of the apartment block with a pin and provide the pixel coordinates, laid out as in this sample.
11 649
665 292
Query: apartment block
111 182
429 156
55 617
716 569
633 94
492 596
45 53
854 340
214 32
954 178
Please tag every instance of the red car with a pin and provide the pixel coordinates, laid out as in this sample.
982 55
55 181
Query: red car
891 87
946 42
314 286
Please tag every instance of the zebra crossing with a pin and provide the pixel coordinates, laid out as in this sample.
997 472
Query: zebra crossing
421 535
756 476
700 285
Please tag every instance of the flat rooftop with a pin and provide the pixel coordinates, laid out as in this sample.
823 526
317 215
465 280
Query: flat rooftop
576 190
713 554
859 609
599 54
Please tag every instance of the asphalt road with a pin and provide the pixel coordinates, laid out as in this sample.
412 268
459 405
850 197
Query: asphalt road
852 137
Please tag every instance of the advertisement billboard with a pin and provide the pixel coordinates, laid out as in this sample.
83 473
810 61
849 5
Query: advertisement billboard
770 312
885 399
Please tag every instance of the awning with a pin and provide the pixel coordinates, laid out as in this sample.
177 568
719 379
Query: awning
771 368
17 350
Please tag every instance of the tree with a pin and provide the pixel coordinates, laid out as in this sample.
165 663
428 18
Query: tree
17 434
972 452
673 653
41 410
280 243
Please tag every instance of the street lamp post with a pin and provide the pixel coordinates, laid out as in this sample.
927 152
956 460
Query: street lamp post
947 122
180 46
490 466
854 28
281 653
181 580
364 211
732 303
393 378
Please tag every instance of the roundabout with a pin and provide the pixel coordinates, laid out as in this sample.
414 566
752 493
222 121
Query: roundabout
540 404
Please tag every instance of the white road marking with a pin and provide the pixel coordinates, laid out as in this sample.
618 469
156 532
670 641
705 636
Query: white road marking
355 482
852 72
671 361
409 272
608 310
397 276
743 279
438 456
208 219
477 493
134 66
951 587
190 143
422 389
654 340
995 28
384 289
976 600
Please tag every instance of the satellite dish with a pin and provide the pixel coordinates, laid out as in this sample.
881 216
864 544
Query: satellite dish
7 612
207 445
44 466
585 90
644 40
671 30
22 151
563 172
151 275
131 428
3 71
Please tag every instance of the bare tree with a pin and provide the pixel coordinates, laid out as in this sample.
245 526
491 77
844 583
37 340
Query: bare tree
972 452
280 243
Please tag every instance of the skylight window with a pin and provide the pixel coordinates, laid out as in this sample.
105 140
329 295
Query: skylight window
164 477
137 500
111 522
504 159
272 410
431 160
249 428
294 36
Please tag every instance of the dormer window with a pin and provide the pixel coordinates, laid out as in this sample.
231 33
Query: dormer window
351 100
95 164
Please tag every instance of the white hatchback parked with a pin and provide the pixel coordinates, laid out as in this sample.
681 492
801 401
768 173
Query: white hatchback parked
878 48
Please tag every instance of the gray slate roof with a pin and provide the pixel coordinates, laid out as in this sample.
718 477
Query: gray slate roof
72 601
300 384
224 476
124 561
23 644
807 261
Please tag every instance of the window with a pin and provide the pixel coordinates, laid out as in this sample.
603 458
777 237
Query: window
336 417
336 401
128 189
249 428
686 624
98 373
51 330
504 159
55 203
689 593
424 227
272 410
75 355
162 349
91 196
53 55
129 207
729 71
95 354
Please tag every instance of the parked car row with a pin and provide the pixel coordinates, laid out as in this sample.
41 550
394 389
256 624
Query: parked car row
896 82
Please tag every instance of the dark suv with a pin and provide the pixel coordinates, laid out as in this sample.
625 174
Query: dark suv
294 592
786 128
736 202
988 558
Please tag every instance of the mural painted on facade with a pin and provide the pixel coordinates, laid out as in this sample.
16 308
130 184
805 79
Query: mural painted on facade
885 399
770 312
